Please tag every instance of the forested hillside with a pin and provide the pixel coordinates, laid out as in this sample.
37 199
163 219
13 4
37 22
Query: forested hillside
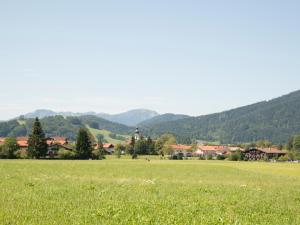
61 126
162 118
276 120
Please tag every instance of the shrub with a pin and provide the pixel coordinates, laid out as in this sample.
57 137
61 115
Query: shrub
209 157
66 154
234 157
22 154
201 157
3 153
96 154
283 158
237 156
221 157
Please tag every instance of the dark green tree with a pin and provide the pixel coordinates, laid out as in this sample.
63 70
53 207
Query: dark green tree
296 143
83 144
151 147
101 150
119 148
10 147
37 143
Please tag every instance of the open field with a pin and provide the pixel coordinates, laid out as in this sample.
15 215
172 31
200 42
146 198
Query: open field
123 191
106 133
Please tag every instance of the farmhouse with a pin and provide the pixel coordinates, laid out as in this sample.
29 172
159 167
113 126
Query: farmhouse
214 151
22 142
253 154
54 143
108 147
183 150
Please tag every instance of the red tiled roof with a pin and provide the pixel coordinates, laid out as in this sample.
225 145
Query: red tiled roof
267 150
23 144
108 145
181 147
272 150
22 138
105 146
212 148
233 149
2 140
57 140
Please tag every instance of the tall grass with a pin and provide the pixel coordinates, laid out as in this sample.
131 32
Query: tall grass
124 191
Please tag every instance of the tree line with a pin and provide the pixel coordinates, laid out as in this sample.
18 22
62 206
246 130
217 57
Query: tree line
84 147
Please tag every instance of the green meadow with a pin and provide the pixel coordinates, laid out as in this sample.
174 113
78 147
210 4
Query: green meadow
125 191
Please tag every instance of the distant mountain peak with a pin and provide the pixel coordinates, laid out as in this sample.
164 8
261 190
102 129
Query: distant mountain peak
129 118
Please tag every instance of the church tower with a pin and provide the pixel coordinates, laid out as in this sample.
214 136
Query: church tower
137 135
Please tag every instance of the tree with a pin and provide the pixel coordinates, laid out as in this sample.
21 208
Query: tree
129 149
98 153
83 144
10 147
100 137
164 143
296 143
119 148
101 150
151 146
194 147
141 147
37 143
132 142
159 146
289 145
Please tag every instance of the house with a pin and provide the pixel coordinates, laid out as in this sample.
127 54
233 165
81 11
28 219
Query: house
211 150
253 154
108 148
185 150
22 142
55 143
57 140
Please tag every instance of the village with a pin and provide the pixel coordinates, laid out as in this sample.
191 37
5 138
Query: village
176 151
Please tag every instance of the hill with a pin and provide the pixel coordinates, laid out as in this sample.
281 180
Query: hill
276 120
129 118
42 113
162 118
62 126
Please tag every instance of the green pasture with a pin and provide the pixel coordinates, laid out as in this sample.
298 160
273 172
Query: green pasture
125 191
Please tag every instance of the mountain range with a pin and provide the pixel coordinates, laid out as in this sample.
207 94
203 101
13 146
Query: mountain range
129 118
276 120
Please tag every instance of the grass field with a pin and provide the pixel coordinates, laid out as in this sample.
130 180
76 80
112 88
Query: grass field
106 133
123 191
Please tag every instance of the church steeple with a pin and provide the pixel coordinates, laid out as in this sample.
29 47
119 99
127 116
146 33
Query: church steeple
137 135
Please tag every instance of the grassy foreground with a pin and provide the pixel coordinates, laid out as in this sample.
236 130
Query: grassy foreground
121 191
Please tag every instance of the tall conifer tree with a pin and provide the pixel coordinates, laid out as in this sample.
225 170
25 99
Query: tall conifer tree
83 144
37 143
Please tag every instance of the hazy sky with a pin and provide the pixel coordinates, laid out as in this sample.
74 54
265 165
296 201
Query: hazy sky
193 57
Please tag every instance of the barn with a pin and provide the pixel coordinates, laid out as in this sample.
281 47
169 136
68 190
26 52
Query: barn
253 154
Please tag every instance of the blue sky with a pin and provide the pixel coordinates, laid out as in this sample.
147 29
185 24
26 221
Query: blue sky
193 57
